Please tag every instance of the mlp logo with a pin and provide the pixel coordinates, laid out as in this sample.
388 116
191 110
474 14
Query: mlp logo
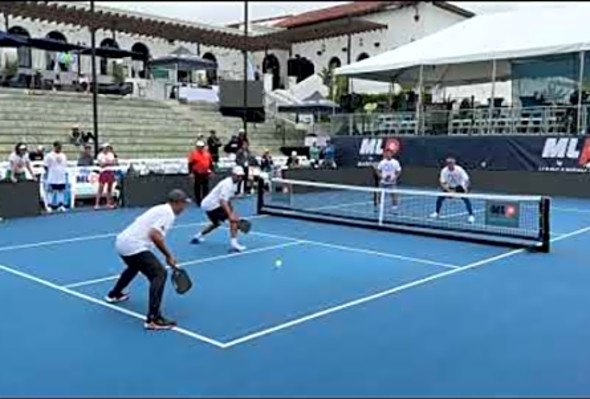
375 146
562 149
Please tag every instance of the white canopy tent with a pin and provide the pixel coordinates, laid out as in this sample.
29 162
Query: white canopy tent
481 49
462 53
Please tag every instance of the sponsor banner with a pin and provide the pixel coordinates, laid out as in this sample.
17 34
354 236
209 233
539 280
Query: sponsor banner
516 153
504 214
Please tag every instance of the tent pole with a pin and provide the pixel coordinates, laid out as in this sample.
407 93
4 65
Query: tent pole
580 86
419 104
94 83
493 94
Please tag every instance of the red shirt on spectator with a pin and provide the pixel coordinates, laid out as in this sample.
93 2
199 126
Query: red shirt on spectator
200 162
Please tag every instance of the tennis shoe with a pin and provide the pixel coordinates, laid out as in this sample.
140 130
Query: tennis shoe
159 323
471 219
237 247
116 299
434 215
197 240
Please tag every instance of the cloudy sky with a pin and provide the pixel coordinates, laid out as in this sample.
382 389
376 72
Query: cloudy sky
222 13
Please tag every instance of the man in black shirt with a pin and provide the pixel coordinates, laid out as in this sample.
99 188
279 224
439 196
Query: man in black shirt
86 158
214 144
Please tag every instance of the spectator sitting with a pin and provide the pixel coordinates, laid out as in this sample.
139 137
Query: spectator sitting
19 164
314 155
38 154
233 145
87 137
329 155
266 163
85 158
293 161
76 136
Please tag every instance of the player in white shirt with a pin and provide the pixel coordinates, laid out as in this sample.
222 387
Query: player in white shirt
388 171
217 205
454 179
134 245
56 176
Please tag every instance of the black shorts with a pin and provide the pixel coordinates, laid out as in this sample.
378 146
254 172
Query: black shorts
57 187
217 216
458 189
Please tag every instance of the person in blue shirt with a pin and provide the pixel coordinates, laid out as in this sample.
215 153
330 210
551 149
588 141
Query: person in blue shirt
329 153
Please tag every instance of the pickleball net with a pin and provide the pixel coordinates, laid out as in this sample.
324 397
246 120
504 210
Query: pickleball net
513 220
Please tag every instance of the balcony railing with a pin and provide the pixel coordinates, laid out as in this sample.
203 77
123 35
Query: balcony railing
547 120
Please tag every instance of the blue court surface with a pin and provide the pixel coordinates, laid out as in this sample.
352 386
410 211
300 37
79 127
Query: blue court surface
351 312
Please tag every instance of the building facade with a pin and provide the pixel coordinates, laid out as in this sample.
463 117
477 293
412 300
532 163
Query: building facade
314 45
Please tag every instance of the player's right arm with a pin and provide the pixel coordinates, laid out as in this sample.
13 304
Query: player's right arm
158 239
444 184
225 204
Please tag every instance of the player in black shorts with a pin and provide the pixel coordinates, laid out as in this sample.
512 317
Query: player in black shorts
218 207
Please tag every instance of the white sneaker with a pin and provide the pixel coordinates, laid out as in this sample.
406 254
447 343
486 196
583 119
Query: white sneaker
62 209
434 215
237 247
197 240
395 208
49 210
471 219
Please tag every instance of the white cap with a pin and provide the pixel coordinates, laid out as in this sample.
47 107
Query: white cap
241 130
200 143
238 171
105 145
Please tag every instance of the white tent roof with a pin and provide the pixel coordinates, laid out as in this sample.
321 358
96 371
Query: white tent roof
461 54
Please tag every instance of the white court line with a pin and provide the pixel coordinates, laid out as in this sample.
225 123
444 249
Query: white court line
193 262
99 236
388 292
574 210
353 249
87 298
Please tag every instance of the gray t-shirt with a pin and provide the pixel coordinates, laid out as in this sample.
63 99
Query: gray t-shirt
85 160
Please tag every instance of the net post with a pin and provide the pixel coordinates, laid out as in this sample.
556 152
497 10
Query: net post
545 231
260 201
381 206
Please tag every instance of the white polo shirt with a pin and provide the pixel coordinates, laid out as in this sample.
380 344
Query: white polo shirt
224 190
135 238
389 169
20 162
457 177
56 165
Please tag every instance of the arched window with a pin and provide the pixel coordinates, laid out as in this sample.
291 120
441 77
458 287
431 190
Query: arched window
334 63
362 56
51 56
211 73
271 64
25 60
140 60
107 43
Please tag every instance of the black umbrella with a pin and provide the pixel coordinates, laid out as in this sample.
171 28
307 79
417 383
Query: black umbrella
52 45
10 40
110 52
183 62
